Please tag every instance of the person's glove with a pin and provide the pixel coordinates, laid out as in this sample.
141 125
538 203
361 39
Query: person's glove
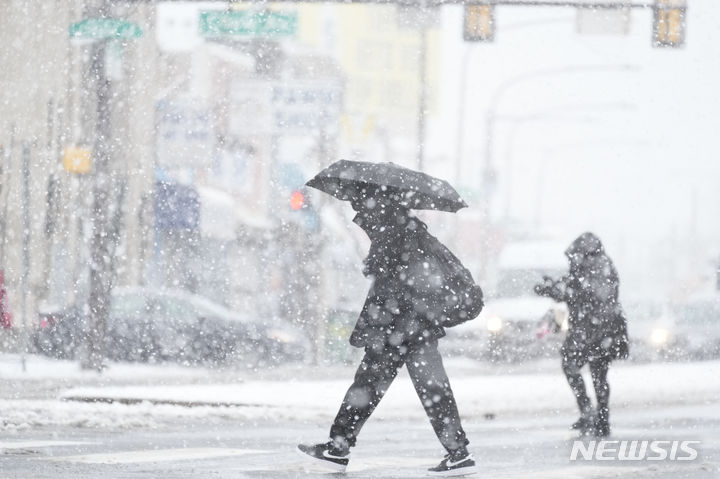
546 287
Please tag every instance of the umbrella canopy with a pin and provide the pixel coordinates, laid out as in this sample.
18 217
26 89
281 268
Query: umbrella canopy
347 180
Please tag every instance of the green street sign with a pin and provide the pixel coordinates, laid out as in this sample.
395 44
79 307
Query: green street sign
245 23
97 28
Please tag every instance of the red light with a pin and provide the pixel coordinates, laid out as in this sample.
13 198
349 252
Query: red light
297 200
44 323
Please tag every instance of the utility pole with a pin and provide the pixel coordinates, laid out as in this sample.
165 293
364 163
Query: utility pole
102 240
25 252
102 30
5 176
422 103
101 247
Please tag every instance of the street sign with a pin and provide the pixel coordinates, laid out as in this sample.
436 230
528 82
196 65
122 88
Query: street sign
246 23
608 21
98 28
184 135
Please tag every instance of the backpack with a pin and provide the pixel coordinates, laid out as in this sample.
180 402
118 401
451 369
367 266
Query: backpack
620 348
445 287
463 299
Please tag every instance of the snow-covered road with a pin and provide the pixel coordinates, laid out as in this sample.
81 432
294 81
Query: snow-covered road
512 448
245 424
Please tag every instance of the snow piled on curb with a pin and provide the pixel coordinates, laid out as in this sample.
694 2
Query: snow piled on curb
633 387
637 385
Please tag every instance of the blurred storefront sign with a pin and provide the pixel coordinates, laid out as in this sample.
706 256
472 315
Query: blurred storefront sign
184 135
306 105
177 207
251 104
271 107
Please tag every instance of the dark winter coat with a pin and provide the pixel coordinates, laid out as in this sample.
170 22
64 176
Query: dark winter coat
597 324
409 268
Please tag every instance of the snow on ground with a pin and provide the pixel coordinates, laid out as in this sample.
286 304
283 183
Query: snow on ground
634 386
221 395
41 368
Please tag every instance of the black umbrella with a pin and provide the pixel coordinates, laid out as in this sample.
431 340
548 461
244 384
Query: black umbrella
346 180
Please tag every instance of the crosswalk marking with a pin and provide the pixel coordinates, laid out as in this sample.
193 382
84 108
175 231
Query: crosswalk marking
577 471
156 455
370 463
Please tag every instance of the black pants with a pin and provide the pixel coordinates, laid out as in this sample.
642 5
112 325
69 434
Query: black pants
573 360
374 376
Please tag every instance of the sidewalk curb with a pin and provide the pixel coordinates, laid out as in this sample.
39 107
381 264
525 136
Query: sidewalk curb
159 402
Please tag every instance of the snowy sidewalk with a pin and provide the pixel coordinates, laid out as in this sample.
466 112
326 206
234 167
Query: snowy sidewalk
633 386
130 395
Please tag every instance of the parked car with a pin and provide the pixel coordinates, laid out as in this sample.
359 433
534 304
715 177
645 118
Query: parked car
688 329
6 319
698 323
511 325
171 325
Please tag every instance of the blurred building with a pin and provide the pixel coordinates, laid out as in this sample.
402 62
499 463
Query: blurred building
244 120
238 124
48 110
378 48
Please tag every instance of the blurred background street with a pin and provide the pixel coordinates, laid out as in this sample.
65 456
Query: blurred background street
175 301
165 145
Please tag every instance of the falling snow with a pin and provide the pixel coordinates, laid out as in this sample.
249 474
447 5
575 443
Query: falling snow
229 228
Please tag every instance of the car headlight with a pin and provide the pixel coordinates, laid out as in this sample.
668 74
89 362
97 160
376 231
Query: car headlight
281 336
659 336
494 324
561 318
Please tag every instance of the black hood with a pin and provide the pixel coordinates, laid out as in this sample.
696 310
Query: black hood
377 217
586 244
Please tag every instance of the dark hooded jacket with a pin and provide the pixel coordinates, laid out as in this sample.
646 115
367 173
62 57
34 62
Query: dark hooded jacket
597 324
409 267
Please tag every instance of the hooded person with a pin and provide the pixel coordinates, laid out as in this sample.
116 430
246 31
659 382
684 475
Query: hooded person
597 328
403 317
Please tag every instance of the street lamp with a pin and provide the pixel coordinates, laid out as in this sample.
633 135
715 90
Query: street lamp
488 178
563 113
548 156
491 113
462 89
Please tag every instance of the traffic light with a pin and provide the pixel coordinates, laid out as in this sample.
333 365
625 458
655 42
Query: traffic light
669 23
479 23
297 200
302 212
77 159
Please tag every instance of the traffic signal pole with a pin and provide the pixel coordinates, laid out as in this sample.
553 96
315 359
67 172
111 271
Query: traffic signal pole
100 247
27 228
101 29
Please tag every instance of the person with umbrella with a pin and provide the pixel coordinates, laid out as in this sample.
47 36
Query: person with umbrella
419 288
597 329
